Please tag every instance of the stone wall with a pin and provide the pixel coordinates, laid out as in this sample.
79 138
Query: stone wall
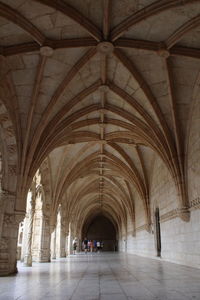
180 241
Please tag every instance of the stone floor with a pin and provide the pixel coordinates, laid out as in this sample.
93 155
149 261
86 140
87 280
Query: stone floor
102 276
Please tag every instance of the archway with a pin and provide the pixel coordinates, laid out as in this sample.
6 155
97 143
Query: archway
101 228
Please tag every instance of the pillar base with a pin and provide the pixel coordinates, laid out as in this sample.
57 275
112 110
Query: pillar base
7 267
8 244
27 260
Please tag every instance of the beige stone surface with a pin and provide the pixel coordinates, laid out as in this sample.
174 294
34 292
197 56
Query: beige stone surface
100 101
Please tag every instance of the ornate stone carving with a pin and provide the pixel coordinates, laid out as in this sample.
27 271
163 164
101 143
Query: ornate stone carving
12 149
9 131
3 244
3 198
12 170
195 203
105 47
46 51
3 118
13 219
182 212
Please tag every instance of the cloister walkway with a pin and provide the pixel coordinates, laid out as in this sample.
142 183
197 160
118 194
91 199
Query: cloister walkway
106 276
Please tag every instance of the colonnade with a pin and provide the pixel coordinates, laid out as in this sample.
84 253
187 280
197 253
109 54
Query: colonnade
42 240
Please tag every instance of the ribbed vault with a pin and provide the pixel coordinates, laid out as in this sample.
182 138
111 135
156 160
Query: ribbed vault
100 89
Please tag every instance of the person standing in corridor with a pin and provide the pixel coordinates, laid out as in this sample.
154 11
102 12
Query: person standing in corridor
85 242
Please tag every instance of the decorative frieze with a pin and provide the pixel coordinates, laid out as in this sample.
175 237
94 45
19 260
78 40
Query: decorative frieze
181 212
195 204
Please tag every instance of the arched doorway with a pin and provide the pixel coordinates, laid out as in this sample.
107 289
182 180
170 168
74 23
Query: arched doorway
100 228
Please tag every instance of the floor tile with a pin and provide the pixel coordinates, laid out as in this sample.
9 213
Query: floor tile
106 276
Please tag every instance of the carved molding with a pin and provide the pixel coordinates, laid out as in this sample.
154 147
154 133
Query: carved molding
183 213
142 227
195 204
168 216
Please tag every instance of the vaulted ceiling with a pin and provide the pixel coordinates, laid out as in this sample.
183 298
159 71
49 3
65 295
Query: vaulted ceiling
97 89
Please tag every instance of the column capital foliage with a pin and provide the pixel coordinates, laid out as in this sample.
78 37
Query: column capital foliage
13 219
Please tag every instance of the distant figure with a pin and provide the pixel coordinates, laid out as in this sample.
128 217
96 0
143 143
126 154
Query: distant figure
95 245
91 245
85 242
74 243
98 246
102 244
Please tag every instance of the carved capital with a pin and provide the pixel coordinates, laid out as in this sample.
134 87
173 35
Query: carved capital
13 219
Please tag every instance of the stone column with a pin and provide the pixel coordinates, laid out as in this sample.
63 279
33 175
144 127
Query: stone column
8 243
66 243
41 240
3 195
53 244
60 241
28 242
70 240
47 240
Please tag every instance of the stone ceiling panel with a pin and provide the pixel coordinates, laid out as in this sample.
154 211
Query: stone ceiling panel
80 66
10 34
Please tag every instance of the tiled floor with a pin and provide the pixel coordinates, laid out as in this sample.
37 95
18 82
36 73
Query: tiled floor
102 276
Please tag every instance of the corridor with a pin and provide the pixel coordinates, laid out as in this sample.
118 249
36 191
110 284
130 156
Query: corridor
105 276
